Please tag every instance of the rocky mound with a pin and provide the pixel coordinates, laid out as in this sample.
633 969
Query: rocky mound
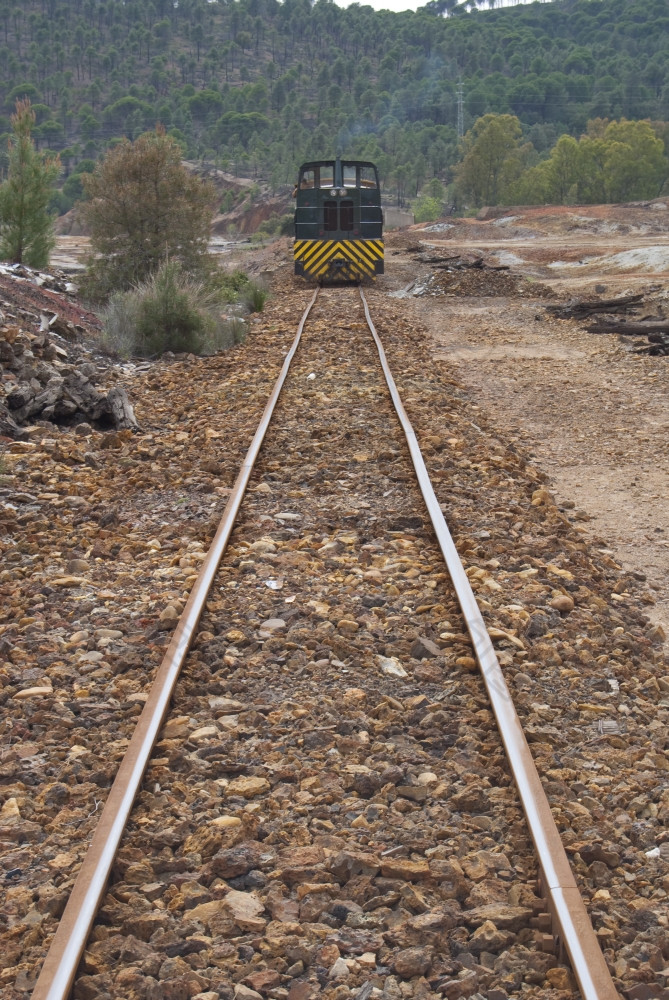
50 358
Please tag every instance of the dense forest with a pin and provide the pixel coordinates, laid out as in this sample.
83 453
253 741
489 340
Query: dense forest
256 86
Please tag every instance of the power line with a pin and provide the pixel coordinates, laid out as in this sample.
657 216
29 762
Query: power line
460 94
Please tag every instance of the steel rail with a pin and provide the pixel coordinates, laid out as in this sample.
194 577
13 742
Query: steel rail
60 966
572 926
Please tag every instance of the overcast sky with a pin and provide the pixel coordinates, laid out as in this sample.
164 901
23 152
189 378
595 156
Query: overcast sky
395 5
398 5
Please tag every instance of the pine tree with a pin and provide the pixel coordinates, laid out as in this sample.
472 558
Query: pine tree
26 228
143 208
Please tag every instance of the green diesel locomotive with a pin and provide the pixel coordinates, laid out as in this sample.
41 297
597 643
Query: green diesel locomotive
338 221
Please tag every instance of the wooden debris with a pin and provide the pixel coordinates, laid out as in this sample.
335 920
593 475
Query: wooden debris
121 410
656 332
582 308
651 328
459 262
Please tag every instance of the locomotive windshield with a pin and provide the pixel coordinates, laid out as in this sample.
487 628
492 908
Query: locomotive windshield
349 172
353 175
327 175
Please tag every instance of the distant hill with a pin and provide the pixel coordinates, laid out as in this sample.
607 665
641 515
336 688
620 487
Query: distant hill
255 86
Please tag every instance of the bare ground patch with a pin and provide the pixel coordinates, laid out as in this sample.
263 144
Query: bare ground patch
591 413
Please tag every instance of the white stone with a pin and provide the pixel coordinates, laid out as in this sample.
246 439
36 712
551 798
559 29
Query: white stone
391 666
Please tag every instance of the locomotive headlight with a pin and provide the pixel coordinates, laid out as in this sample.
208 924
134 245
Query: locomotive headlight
342 191
334 192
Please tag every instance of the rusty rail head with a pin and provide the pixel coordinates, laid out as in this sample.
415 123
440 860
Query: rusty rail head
570 918
69 941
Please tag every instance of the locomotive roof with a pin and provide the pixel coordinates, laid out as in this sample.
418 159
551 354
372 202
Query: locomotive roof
332 159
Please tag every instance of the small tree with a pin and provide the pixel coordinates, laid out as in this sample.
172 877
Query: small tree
26 228
143 208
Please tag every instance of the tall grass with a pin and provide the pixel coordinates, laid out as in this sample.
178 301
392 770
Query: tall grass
255 296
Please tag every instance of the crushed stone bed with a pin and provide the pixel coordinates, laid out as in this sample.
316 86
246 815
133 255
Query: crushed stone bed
328 807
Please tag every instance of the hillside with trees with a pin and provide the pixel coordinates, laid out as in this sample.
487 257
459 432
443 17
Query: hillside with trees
256 86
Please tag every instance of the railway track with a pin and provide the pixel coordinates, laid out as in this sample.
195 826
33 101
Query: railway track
332 674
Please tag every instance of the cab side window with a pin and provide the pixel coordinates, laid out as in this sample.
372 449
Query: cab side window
367 177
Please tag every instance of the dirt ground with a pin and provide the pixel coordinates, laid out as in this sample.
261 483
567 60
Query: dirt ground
592 414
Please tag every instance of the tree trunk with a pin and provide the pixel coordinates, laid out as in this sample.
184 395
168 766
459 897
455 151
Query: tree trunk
640 329
121 410
579 309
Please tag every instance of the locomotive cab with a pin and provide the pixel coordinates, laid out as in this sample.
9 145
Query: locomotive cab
338 221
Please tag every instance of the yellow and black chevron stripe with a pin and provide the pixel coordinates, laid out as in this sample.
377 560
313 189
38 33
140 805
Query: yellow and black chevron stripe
347 260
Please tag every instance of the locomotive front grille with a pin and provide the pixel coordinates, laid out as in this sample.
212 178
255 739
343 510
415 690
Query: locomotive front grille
350 260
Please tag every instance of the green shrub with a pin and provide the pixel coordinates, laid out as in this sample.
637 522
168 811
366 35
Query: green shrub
142 206
167 317
230 284
172 312
277 225
426 209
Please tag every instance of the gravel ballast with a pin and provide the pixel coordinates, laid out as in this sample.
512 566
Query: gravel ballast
328 809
